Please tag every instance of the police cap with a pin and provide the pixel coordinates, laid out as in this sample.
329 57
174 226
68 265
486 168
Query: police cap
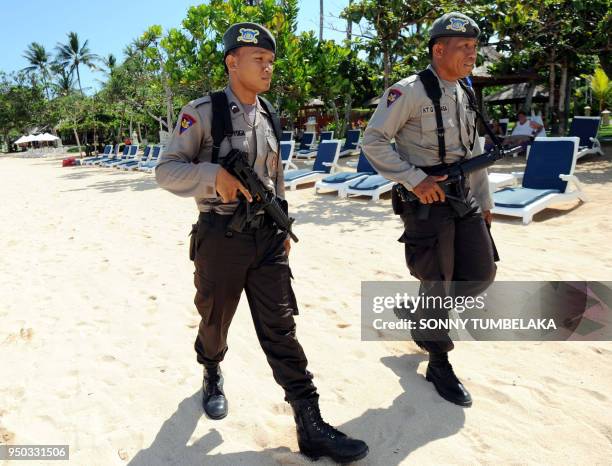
454 24
247 35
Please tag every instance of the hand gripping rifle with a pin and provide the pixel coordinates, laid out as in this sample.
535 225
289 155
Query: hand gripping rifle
237 163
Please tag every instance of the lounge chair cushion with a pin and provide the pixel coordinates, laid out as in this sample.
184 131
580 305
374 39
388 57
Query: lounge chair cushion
370 183
520 197
343 177
293 175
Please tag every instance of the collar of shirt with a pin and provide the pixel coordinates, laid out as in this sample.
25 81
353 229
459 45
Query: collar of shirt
236 107
450 88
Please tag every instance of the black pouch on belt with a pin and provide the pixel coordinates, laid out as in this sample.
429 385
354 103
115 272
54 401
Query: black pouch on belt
192 241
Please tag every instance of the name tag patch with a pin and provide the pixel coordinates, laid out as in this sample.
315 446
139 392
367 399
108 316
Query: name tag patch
430 109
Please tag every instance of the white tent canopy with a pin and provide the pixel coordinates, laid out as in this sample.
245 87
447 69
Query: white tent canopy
45 137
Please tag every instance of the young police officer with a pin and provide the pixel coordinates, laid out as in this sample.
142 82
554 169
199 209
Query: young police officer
446 240
255 260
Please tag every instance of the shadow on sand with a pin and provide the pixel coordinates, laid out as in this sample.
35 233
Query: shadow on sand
415 418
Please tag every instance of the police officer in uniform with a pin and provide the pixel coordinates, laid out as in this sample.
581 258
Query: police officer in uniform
255 260
448 249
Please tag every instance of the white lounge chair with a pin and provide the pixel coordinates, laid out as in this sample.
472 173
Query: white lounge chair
548 179
325 163
115 156
586 129
307 144
128 164
287 136
149 165
108 150
341 180
312 152
372 185
131 155
287 148
351 143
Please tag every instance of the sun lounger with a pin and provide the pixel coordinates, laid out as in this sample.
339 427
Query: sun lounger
351 143
586 129
341 180
548 179
325 163
287 148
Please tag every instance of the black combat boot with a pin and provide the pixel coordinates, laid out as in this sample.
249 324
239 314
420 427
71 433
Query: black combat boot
316 438
440 373
213 399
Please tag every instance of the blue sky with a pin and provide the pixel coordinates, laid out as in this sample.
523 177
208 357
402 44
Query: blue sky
111 24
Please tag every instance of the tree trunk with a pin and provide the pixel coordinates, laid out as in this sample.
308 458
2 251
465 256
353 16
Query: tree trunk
79 79
120 126
562 93
336 116
320 20
529 97
346 124
78 141
551 95
386 67
349 25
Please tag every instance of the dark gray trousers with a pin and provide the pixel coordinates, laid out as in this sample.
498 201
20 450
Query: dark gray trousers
446 248
256 262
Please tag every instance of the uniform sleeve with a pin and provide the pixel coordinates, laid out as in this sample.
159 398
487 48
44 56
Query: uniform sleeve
176 170
393 110
479 181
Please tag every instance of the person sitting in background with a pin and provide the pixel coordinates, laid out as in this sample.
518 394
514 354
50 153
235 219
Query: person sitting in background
524 132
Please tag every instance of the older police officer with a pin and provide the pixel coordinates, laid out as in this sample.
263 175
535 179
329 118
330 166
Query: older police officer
447 245
255 260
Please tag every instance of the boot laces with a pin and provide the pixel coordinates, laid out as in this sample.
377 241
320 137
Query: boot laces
314 416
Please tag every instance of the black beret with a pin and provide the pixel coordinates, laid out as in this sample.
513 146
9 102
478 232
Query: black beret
248 35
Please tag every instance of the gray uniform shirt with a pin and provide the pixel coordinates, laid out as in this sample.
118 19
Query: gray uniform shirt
192 141
406 114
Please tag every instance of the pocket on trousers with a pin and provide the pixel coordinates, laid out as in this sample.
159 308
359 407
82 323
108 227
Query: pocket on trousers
422 256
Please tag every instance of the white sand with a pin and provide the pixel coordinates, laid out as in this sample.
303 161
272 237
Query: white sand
98 324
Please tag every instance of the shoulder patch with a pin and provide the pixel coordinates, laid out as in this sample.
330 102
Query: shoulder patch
202 100
392 96
187 121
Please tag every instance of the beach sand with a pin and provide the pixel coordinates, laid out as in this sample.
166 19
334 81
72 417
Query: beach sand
98 325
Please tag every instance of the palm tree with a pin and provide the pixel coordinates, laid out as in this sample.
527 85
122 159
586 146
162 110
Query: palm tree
64 82
110 62
601 87
38 58
72 54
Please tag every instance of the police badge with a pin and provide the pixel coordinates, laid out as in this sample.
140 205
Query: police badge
248 35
